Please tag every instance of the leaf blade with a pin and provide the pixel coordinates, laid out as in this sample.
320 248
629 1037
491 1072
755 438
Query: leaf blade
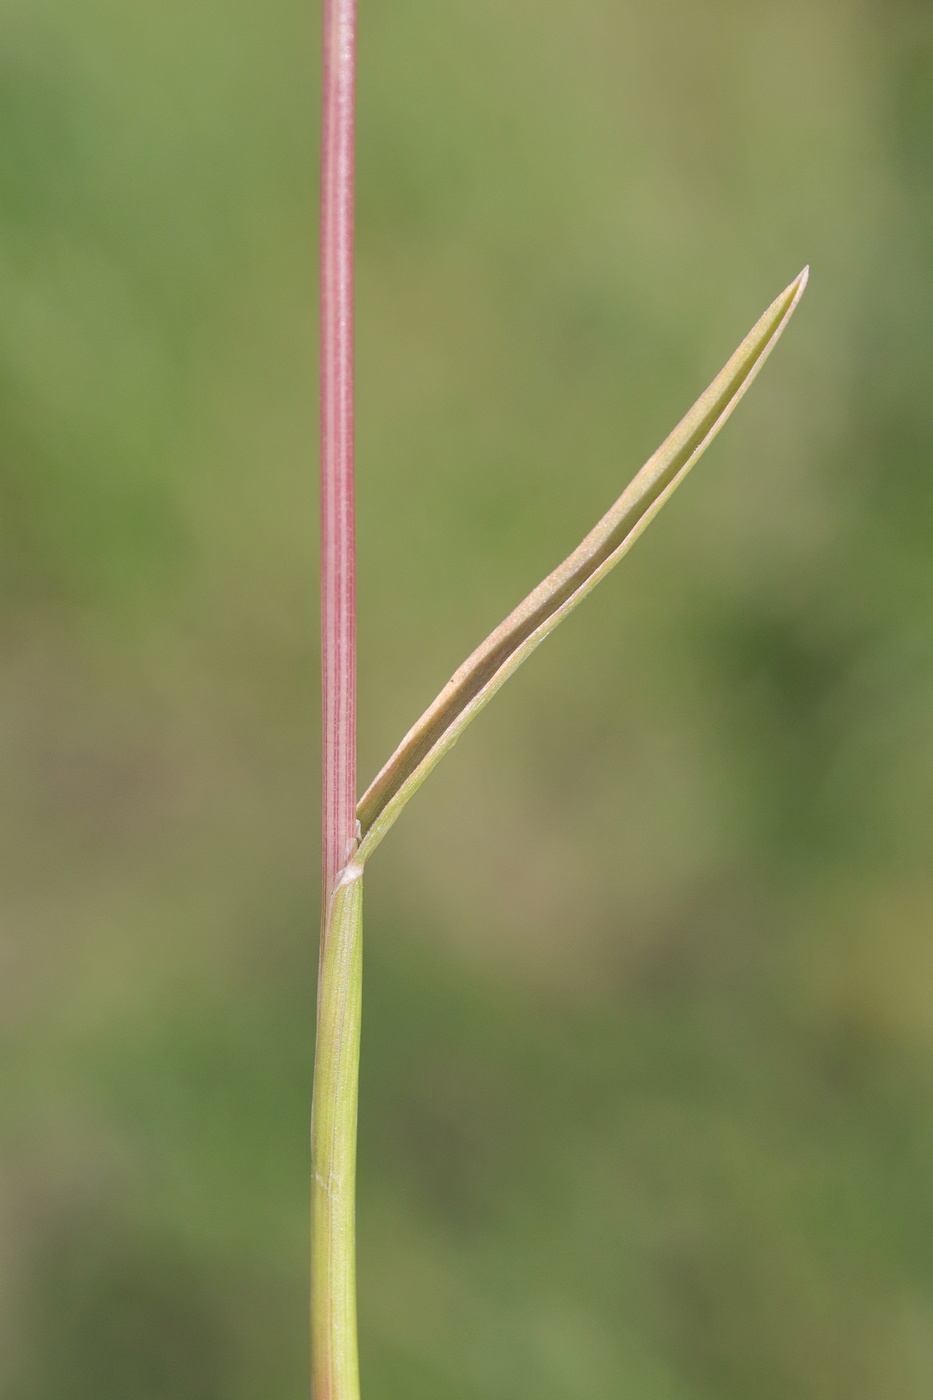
489 666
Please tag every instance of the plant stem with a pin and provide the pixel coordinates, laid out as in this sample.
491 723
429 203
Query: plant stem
338 582
334 1367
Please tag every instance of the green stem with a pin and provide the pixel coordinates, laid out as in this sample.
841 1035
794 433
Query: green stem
335 1364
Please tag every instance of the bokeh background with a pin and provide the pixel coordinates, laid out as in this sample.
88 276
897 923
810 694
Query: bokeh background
647 1092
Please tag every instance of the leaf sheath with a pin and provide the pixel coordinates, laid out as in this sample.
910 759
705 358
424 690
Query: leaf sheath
335 1366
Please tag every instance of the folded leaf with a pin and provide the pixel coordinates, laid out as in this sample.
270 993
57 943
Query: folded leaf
505 649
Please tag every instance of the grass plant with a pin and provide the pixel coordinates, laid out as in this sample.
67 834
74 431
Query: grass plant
351 830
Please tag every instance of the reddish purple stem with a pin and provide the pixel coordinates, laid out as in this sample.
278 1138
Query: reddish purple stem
338 563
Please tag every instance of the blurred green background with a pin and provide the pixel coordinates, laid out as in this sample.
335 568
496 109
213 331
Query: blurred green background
647 1094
